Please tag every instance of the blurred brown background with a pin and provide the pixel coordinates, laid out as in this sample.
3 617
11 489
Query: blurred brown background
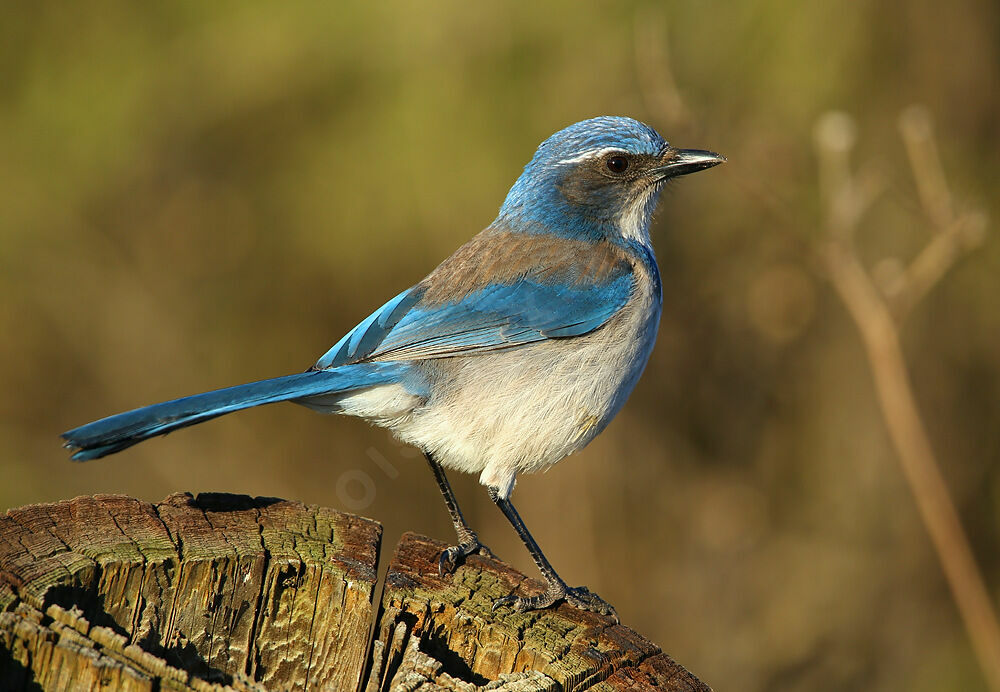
201 194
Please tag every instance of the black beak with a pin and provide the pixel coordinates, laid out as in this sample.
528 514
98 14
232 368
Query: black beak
683 161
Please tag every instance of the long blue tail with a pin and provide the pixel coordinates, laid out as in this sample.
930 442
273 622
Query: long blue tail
115 433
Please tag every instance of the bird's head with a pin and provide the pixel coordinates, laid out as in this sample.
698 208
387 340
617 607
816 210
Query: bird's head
598 177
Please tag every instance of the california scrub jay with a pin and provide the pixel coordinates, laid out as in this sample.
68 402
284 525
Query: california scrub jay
514 353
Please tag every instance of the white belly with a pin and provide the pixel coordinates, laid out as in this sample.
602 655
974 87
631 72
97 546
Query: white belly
524 409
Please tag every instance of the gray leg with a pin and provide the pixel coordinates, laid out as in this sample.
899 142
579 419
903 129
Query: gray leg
556 589
468 541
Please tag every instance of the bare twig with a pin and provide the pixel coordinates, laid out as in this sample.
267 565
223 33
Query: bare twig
909 288
954 234
918 136
878 328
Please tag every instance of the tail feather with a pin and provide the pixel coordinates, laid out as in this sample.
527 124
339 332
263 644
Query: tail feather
115 433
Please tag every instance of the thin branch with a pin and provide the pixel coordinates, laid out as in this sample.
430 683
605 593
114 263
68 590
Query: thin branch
917 131
874 320
848 197
955 234
933 262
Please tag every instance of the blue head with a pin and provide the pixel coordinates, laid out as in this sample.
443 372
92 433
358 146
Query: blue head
599 177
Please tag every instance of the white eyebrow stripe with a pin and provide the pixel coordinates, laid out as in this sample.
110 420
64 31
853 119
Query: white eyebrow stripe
592 154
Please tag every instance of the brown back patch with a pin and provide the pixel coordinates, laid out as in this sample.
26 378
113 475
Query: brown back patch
503 257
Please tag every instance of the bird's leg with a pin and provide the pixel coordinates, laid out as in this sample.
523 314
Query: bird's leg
468 541
556 590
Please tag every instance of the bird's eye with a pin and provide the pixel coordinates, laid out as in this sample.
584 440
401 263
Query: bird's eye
617 163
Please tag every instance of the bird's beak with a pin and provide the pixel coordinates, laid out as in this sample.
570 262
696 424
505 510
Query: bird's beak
683 161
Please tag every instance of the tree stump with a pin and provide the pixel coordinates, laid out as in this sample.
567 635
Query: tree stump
227 592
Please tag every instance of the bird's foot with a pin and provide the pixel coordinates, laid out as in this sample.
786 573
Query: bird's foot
583 598
452 556
579 597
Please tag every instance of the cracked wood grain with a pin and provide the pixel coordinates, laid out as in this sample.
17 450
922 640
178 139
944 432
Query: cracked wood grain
226 592
450 620
213 592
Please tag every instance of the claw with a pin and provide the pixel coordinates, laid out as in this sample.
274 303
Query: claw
447 561
453 555
583 598
502 601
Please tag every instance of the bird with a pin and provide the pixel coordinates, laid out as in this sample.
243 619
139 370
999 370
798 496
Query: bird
515 352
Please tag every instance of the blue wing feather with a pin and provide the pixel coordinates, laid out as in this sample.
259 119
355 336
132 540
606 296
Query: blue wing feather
493 317
358 343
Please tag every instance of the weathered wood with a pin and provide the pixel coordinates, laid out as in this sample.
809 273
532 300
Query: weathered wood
451 621
225 592
215 589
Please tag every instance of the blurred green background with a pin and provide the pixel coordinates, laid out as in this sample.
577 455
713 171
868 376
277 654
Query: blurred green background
194 195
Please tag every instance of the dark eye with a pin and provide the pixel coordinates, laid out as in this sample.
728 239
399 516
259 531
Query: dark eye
617 164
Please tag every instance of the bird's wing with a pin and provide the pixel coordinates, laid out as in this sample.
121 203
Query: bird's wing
505 294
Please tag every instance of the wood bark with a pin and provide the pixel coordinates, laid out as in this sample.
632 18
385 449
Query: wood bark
225 592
